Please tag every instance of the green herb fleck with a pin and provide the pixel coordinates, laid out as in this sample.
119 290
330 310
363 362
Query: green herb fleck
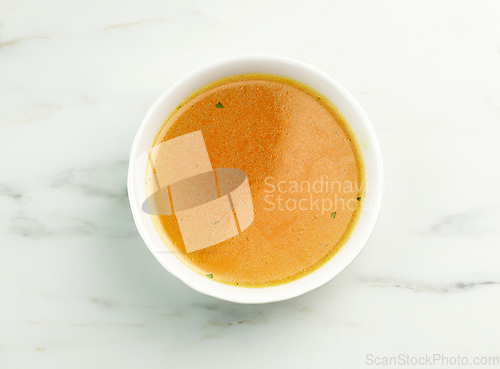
210 275
219 105
333 214
359 198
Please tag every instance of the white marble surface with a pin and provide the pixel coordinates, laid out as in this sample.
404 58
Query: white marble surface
78 287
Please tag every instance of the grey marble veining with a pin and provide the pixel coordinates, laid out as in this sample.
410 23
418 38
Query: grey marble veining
78 287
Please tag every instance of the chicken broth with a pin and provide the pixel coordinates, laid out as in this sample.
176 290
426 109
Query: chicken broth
305 173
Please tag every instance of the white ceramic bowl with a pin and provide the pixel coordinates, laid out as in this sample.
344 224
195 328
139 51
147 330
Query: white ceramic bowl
269 64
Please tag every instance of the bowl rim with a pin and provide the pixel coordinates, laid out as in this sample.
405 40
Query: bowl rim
272 293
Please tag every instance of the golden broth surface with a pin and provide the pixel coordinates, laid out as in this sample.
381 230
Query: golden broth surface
289 140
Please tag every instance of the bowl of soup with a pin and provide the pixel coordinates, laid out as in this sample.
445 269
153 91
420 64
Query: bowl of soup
255 179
